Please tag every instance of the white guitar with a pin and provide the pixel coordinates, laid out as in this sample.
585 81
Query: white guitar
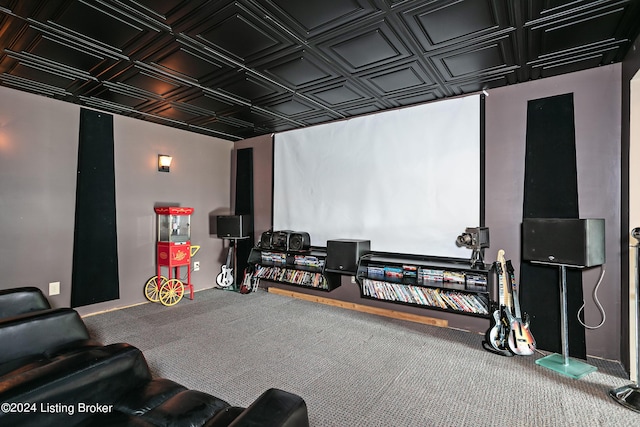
225 278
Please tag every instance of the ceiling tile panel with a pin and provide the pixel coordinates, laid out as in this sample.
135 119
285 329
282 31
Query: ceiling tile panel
239 36
206 101
97 24
292 107
249 87
310 19
237 30
298 70
438 24
477 60
406 76
67 55
366 48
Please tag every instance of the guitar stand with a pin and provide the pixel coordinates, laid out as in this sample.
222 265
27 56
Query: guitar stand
562 363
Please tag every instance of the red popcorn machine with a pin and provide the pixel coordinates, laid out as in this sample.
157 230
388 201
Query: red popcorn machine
173 251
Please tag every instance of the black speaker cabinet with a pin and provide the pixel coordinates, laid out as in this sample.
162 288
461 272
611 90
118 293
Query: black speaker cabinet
299 241
280 240
343 254
265 239
232 226
564 241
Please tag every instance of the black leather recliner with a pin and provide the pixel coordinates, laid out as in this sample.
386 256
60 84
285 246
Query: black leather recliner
16 301
52 373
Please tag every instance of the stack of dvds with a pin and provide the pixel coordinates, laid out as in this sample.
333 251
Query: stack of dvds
432 297
288 275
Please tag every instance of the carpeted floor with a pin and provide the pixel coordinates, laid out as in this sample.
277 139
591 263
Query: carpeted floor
356 369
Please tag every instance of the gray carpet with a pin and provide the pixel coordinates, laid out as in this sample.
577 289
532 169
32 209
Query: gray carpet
355 369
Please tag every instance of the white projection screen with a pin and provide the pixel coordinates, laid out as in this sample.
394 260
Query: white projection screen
409 180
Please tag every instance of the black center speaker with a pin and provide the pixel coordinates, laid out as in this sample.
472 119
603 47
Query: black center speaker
343 254
232 226
280 240
564 241
286 240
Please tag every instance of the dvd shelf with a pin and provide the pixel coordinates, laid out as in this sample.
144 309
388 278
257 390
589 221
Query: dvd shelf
305 269
431 282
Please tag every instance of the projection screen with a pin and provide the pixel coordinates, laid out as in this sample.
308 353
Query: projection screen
409 180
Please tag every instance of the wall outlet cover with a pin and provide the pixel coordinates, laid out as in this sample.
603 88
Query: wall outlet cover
54 288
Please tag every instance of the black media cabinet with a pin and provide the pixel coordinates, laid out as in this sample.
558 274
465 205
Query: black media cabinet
304 269
445 284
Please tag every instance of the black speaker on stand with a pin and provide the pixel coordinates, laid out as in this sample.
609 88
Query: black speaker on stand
629 395
564 242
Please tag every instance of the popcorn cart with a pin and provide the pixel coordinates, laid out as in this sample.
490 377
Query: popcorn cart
174 251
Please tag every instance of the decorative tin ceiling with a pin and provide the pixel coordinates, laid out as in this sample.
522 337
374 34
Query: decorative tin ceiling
237 69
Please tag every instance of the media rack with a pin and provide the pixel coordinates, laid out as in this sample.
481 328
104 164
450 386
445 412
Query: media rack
445 284
305 269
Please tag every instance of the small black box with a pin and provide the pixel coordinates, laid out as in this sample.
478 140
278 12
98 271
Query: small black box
343 254
564 241
232 226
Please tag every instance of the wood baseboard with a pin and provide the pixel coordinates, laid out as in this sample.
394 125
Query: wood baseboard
362 308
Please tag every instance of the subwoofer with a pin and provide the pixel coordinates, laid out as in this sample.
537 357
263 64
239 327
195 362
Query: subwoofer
564 241
232 226
299 241
343 254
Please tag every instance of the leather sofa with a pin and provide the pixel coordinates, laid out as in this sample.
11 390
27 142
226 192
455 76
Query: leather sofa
52 373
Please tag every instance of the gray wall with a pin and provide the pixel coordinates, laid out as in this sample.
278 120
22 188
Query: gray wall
38 149
598 119
597 106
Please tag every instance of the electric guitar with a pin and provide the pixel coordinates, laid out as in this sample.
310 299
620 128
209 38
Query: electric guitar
521 341
497 336
225 277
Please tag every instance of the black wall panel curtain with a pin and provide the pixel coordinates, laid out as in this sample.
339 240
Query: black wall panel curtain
94 276
551 191
244 205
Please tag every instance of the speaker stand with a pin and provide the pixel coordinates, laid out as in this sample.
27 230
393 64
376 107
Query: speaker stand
629 395
562 363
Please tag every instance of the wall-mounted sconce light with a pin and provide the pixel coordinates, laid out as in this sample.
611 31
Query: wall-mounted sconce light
164 162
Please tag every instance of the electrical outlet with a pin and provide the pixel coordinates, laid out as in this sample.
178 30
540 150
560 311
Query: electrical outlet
54 288
196 265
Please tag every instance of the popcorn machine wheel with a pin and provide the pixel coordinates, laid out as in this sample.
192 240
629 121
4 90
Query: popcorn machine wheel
174 250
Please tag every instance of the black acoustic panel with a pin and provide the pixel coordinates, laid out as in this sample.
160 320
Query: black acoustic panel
343 254
94 276
551 191
244 203
564 241
233 226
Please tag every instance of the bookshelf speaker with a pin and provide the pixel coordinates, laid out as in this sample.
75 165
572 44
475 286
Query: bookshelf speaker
280 240
343 254
265 239
564 241
232 226
299 241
